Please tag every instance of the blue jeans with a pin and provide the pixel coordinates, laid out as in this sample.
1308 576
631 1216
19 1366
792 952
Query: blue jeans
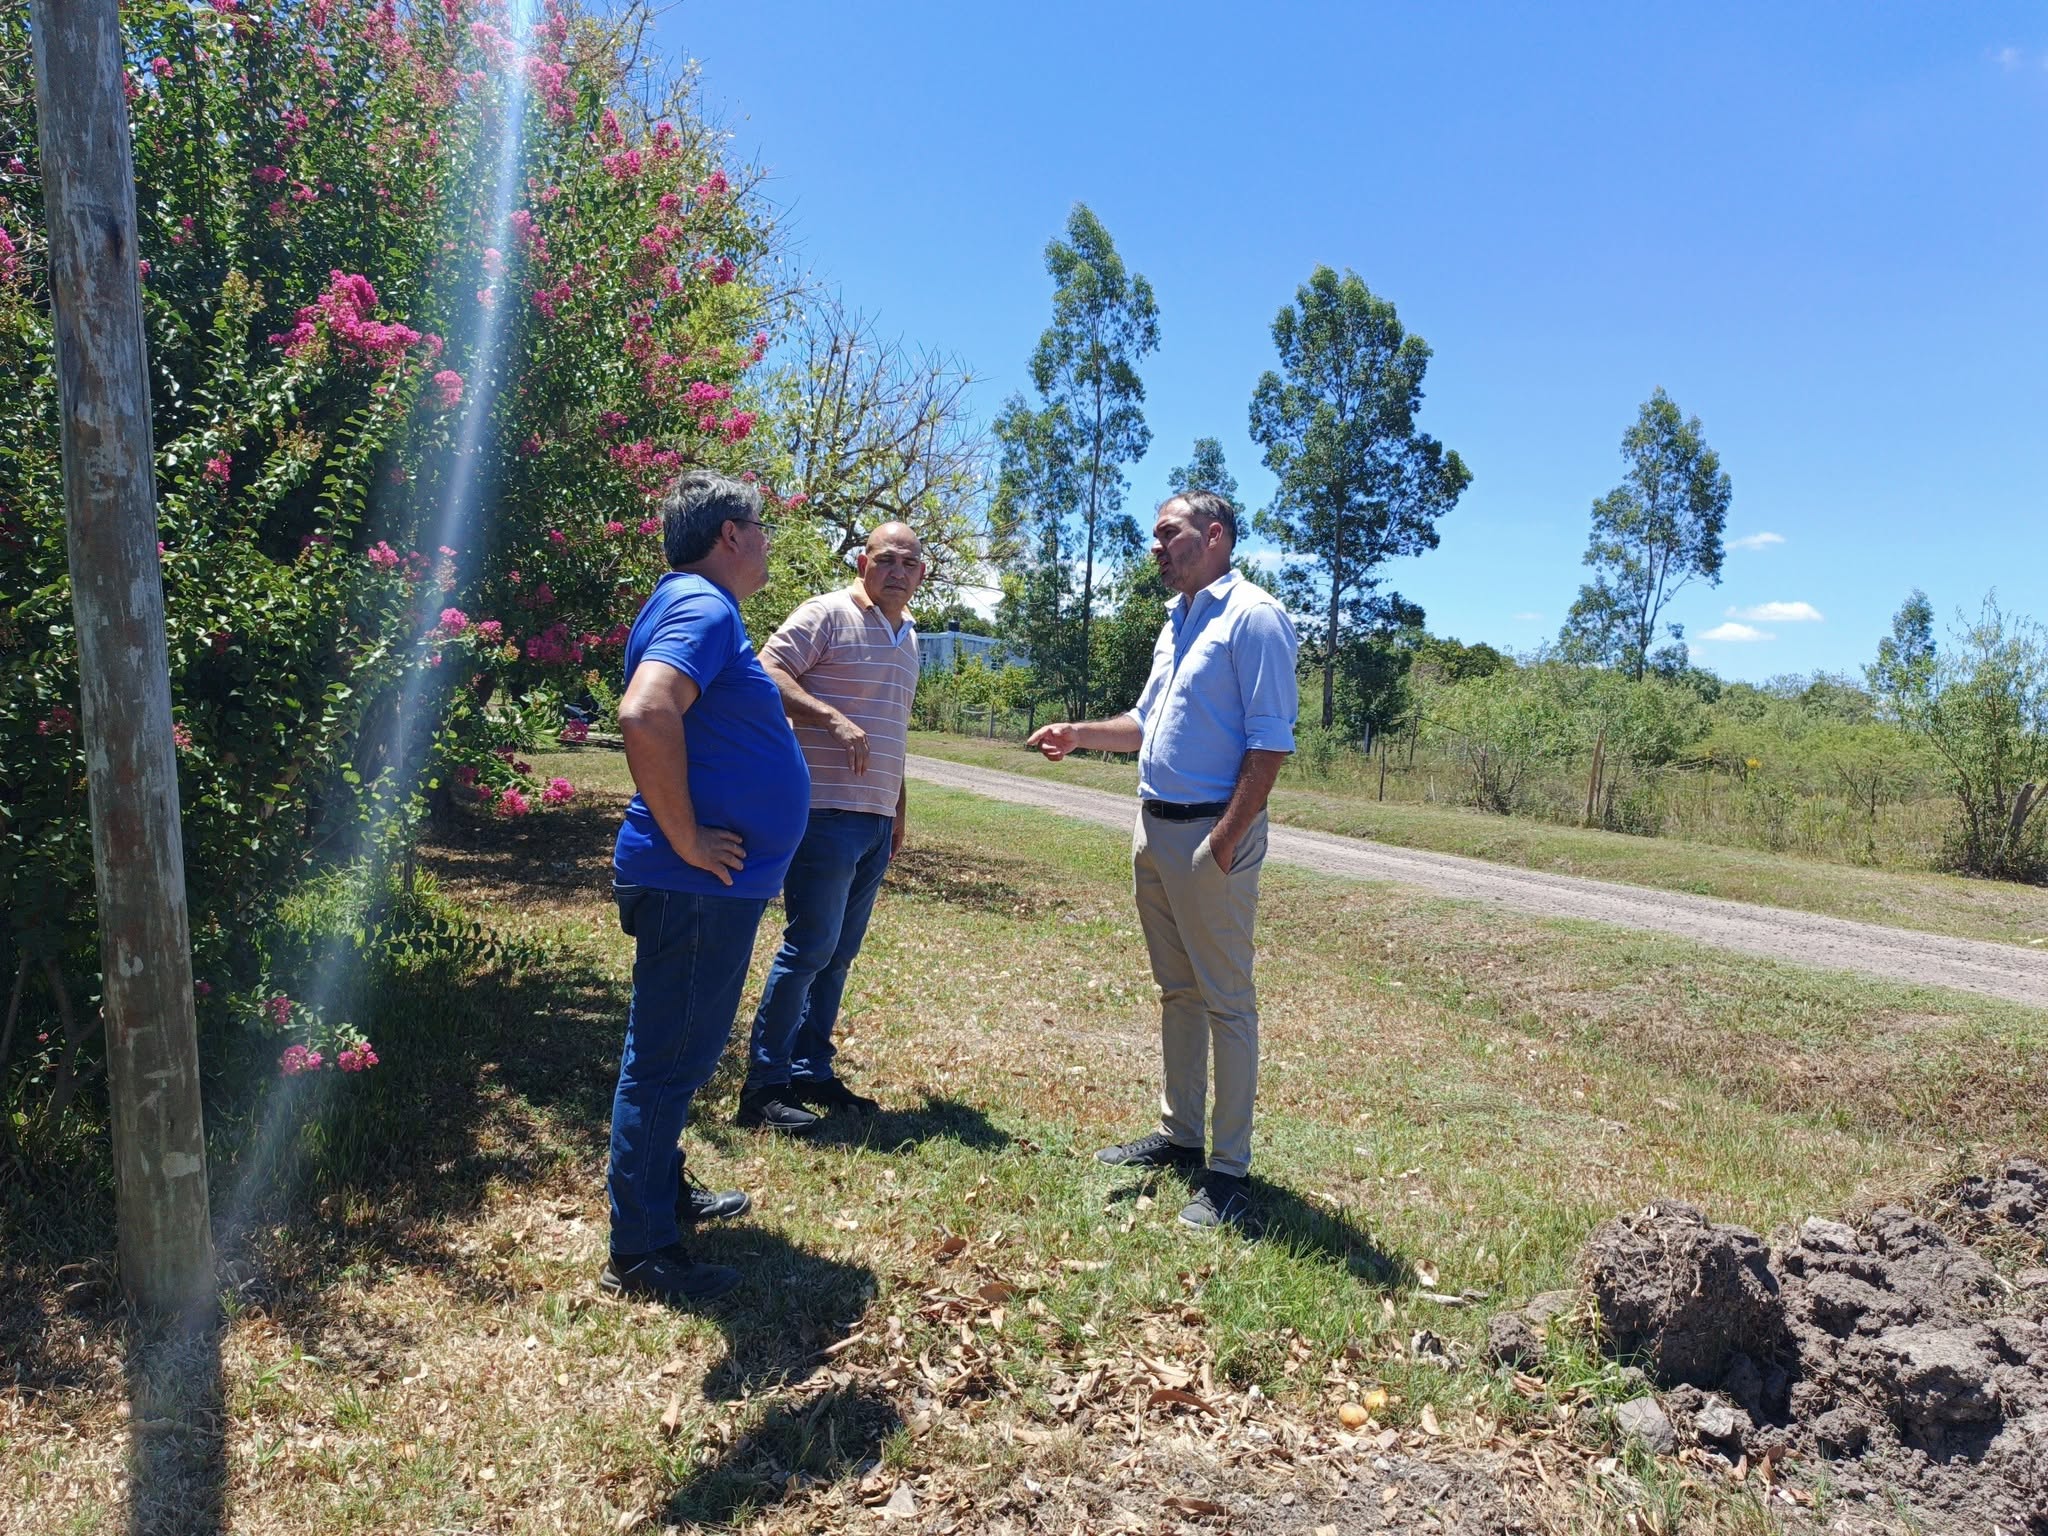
689 966
828 893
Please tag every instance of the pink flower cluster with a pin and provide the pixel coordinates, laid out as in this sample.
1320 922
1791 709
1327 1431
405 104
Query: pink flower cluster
576 732
218 468
453 621
448 389
10 258
382 556
59 722
181 736
357 1058
279 1010
511 803
558 792
297 1059
554 645
345 309
712 187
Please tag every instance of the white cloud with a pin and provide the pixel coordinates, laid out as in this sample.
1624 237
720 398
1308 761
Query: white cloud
1735 634
1778 613
1756 541
2007 57
1526 618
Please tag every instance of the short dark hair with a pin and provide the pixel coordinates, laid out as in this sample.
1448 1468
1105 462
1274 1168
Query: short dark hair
1206 507
696 510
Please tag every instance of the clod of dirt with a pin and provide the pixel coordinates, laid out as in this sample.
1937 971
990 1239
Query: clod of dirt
1512 1341
1683 1295
1891 1347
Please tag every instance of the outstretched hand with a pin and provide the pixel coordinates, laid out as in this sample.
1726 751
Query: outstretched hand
1055 740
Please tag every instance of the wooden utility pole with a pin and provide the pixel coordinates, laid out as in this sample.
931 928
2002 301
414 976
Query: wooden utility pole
117 599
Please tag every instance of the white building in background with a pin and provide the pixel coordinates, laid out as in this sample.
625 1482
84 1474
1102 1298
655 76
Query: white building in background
950 647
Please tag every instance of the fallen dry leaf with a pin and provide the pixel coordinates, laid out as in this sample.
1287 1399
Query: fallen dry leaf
1182 1505
952 1247
1429 1423
996 1292
1426 1273
1169 1396
902 1504
672 1416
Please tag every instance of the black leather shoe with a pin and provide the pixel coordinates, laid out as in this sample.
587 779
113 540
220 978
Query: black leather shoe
771 1109
1154 1151
695 1203
668 1275
832 1097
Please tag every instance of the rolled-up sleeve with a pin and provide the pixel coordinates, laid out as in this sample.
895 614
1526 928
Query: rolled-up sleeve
1263 652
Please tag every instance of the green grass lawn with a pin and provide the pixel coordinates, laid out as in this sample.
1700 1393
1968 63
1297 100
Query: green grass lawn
1971 909
954 1305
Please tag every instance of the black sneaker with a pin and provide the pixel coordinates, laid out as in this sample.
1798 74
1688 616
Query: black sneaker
1154 1151
770 1109
1222 1200
695 1203
832 1096
669 1275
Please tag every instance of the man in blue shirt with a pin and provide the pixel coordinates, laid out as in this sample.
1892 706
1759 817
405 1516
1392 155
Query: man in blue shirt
1211 729
723 796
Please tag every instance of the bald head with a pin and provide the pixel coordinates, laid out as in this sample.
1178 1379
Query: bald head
891 567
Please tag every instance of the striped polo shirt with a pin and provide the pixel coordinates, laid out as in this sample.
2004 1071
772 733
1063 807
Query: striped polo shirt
840 647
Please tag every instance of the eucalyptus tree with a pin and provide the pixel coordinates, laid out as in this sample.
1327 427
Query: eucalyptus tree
1085 369
1652 534
1359 484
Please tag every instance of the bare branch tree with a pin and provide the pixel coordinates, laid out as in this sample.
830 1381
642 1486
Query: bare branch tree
879 432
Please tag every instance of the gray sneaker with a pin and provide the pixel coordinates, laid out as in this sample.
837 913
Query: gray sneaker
1223 1200
1154 1151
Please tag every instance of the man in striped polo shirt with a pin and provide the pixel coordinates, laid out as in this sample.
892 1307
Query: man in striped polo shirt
846 664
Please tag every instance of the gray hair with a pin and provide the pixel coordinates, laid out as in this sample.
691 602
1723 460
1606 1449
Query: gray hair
696 510
1206 507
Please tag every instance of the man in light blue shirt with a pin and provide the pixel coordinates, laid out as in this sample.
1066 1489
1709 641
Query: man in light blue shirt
1211 728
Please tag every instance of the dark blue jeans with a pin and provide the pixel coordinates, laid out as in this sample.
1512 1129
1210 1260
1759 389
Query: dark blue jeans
689 966
828 893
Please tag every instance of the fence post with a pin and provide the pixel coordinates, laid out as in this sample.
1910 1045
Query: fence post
165 1252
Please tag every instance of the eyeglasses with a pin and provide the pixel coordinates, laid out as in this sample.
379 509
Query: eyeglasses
762 523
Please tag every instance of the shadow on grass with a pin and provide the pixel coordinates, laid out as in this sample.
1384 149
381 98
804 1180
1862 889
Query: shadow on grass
791 1306
979 883
822 1439
904 1130
1281 1217
177 1418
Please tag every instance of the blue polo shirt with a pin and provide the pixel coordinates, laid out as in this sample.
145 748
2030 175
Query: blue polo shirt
1222 684
746 772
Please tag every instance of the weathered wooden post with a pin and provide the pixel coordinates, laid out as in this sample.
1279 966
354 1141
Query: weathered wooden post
117 598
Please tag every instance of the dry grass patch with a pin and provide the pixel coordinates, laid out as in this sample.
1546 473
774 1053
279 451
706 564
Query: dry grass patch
954 1319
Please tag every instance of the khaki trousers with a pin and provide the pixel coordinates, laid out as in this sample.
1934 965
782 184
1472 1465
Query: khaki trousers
1198 931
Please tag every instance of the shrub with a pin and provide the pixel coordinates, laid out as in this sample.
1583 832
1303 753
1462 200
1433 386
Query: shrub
325 262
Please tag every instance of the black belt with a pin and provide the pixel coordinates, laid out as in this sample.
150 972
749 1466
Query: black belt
1166 810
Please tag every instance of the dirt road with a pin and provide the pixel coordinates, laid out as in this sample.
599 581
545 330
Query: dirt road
1897 954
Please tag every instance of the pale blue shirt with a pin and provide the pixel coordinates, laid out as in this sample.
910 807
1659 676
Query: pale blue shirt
1222 684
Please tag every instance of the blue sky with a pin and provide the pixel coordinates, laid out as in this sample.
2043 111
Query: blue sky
1822 228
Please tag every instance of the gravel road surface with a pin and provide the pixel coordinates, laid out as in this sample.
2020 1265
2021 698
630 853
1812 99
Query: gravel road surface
1898 954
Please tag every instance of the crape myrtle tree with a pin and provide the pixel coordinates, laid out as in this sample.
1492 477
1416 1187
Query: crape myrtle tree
1085 370
1359 484
314 185
1652 534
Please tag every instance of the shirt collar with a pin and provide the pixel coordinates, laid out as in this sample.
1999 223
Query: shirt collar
865 605
1217 589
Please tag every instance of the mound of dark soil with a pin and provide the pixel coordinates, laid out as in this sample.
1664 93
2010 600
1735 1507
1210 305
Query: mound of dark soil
1892 1348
